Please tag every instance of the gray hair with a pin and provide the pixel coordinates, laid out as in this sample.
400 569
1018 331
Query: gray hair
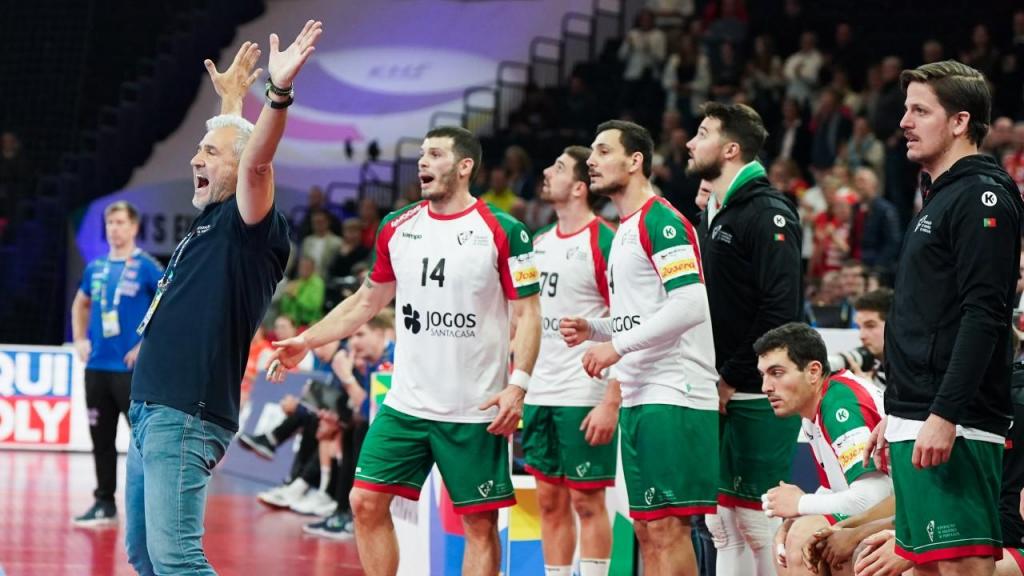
243 126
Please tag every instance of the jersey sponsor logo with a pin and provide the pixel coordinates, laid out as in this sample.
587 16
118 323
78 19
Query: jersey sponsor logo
842 415
930 529
582 469
444 324
411 236
464 237
849 447
550 325
721 235
779 220
989 199
676 261
624 323
524 236
524 271
471 238
405 216
649 495
668 232
200 230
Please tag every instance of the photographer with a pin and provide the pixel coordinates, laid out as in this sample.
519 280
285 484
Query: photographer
867 360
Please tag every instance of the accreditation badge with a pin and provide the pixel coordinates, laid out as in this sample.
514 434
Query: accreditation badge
111 324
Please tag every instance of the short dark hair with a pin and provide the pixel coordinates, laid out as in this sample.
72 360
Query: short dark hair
802 344
879 300
464 143
741 124
579 154
634 138
853 263
133 214
959 88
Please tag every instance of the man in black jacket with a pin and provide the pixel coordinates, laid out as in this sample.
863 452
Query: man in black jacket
947 340
750 244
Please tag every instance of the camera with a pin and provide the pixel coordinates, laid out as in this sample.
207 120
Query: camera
860 357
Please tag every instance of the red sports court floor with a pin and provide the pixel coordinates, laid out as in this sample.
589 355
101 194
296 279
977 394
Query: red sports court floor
41 491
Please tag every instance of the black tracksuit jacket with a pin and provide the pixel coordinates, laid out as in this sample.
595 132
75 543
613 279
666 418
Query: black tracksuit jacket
750 256
947 337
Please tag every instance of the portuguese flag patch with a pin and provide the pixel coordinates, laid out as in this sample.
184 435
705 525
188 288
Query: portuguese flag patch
988 222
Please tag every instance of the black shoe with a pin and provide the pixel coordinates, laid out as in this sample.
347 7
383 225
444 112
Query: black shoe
336 527
101 514
260 445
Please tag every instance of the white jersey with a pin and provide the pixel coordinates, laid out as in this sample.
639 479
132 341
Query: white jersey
849 410
572 283
655 251
455 275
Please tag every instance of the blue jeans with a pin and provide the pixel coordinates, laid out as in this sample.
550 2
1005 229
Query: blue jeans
170 460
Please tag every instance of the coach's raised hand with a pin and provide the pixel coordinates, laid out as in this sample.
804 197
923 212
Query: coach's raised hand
232 84
285 64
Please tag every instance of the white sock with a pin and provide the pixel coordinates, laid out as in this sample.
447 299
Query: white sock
593 567
557 570
325 478
732 554
759 533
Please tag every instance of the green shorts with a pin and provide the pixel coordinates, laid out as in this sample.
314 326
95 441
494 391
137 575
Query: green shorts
670 460
557 452
951 510
757 452
400 450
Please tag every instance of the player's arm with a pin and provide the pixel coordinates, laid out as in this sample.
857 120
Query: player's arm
80 309
526 346
870 488
339 323
255 173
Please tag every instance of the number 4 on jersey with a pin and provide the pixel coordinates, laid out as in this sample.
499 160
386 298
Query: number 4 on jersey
437 274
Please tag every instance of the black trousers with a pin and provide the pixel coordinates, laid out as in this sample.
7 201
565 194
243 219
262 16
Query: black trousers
106 397
351 443
307 460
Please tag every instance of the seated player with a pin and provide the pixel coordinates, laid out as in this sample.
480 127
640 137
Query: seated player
838 413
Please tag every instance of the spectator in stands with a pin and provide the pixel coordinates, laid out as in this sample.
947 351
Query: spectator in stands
832 229
982 55
322 245
670 175
853 279
726 73
802 68
792 23
726 21
785 177
872 309
823 308
371 349
863 149
317 202
519 171
499 193
870 94
1013 161
672 8
369 213
932 51
17 178
680 79
303 300
792 139
352 250
879 226
579 110
112 299
644 51
830 130
847 54
764 81
410 195
999 139
886 125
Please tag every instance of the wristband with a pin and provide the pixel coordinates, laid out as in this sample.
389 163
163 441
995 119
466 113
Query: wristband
520 378
289 91
278 105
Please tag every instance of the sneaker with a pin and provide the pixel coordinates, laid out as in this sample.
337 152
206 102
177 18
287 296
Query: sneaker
336 527
315 503
259 445
285 495
101 514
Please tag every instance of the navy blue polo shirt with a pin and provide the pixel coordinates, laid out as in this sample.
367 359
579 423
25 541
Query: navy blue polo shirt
196 345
